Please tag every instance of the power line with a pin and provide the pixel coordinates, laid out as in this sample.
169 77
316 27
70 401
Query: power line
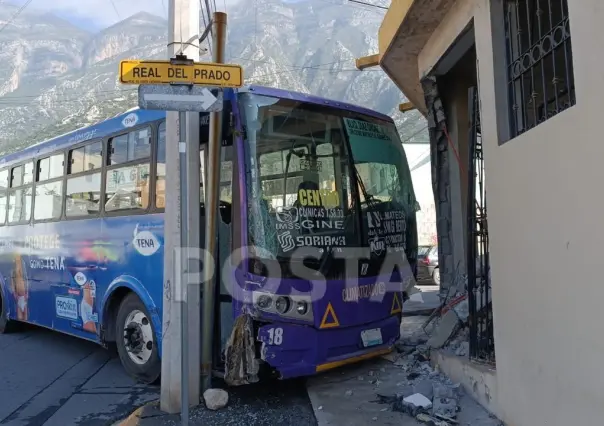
17 13
368 4
209 14
14 100
415 134
115 9
255 32
352 5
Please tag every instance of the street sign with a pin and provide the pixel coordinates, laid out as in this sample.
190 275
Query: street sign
164 72
178 98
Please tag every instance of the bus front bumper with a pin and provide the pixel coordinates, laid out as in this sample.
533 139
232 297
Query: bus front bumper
297 350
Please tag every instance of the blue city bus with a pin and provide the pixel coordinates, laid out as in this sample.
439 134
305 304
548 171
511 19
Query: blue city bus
82 234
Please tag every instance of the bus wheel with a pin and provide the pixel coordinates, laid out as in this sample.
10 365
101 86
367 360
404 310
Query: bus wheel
136 342
5 324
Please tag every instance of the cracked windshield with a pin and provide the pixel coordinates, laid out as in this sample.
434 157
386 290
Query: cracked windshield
305 162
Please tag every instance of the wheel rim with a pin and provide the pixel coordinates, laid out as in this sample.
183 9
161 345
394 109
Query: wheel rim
138 337
437 277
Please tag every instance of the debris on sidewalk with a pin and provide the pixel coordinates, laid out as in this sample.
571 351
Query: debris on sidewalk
415 404
216 399
433 421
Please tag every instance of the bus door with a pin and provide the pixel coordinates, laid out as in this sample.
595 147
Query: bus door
224 309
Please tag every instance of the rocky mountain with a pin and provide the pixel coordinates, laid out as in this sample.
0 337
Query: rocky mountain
55 77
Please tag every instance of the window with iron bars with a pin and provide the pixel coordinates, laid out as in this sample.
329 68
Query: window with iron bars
539 60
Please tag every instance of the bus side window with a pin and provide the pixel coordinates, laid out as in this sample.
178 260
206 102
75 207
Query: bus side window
49 188
20 194
160 182
3 188
83 193
127 186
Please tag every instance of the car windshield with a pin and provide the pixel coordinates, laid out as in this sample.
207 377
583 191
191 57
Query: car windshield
300 177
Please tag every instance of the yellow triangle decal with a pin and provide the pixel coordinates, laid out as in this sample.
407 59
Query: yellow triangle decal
396 305
329 318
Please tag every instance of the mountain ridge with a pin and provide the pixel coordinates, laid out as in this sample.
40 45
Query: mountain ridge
59 77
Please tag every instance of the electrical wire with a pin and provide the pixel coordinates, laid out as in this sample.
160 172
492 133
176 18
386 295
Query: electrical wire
356 6
17 13
255 32
15 99
415 134
115 9
368 4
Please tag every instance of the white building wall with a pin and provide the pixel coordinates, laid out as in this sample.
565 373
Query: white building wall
422 186
546 233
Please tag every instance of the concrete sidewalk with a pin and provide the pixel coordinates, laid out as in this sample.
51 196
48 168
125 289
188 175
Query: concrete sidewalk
349 396
271 404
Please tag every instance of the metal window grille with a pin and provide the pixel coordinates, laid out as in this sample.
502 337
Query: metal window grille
539 59
482 341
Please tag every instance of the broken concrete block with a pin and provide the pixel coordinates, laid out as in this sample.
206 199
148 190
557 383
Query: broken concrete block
463 349
425 387
445 407
443 391
449 324
405 391
462 309
414 404
215 399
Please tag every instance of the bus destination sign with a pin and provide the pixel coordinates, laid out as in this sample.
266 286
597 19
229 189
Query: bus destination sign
164 72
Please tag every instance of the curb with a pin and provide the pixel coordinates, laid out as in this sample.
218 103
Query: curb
136 416
419 312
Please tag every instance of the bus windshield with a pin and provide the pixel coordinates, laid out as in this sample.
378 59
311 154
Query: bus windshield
312 169
385 186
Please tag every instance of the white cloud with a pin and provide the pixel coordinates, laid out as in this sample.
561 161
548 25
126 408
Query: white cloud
104 14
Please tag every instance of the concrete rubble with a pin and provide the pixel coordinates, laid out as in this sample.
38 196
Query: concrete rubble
215 399
399 388
404 383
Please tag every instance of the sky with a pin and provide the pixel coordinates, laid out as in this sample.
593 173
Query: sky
99 14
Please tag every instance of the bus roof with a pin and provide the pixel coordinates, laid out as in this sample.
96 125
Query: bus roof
304 97
136 116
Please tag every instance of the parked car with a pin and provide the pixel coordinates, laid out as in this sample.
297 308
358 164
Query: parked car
427 265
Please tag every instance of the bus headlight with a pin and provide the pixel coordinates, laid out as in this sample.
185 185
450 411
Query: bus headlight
297 307
264 302
282 304
302 307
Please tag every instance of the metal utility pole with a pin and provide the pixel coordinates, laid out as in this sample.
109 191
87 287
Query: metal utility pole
181 318
219 32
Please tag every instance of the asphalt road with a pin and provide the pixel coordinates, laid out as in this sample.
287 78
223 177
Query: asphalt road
52 379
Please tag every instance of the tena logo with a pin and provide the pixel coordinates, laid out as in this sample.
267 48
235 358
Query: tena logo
130 120
145 242
80 278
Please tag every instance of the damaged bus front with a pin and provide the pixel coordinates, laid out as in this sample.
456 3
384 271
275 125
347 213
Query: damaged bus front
328 233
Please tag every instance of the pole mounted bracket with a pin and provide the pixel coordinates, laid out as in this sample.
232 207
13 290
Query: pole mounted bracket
181 59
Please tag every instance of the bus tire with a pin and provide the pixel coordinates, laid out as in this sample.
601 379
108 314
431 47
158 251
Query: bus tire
136 341
5 324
